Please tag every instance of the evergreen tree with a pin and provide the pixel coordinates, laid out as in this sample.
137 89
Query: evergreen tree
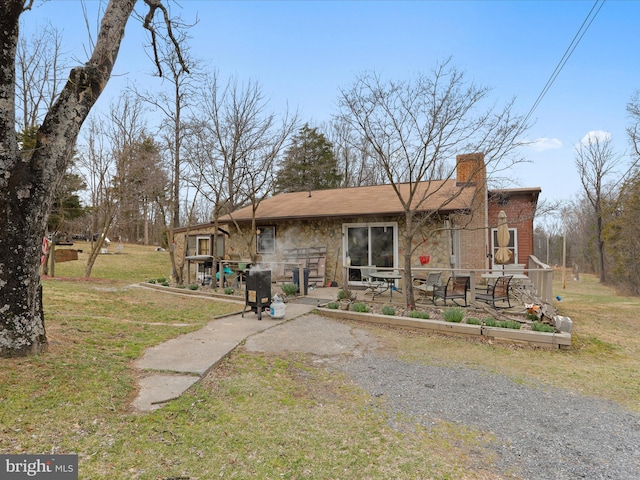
308 164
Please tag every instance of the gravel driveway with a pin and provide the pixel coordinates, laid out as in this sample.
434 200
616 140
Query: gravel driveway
542 433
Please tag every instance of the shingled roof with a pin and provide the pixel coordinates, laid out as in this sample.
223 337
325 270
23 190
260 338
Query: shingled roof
378 200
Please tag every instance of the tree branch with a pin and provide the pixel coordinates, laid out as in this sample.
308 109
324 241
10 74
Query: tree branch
148 24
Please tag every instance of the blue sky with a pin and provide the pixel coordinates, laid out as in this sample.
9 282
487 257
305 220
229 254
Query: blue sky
303 52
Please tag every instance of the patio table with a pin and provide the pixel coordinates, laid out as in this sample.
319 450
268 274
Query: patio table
390 278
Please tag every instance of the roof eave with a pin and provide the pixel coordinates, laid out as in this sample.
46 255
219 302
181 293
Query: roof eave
398 213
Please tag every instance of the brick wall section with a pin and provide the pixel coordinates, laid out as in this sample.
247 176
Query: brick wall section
520 209
473 251
470 168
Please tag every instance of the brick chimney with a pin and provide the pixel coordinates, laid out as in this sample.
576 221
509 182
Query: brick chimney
470 169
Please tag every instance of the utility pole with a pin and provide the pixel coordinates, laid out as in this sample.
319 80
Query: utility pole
564 261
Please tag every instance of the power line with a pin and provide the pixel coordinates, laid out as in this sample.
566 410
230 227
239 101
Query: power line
568 52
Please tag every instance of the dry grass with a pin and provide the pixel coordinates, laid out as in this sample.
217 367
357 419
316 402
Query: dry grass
257 417
265 416
604 359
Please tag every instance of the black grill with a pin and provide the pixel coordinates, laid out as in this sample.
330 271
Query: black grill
258 291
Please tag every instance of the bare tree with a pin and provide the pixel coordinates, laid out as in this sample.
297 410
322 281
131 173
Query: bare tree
153 186
412 128
239 143
28 185
140 184
622 235
353 154
633 108
98 165
258 179
39 74
597 166
173 103
125 128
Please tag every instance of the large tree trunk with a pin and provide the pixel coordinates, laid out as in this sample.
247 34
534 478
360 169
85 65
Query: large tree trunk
601 265
407 250
28 183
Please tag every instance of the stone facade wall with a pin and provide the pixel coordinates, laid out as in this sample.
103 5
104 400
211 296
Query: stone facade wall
179 244
324 233
437 243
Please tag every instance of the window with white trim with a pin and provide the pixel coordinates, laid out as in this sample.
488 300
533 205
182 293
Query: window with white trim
513 245
370 244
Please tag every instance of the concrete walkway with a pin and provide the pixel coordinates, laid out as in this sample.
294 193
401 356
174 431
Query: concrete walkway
172 367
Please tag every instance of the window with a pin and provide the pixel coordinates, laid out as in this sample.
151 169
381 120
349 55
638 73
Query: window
266 240
513 245
191 245
370 244
203 245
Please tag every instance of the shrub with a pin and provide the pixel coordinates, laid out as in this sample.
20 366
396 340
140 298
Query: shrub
151 281
333 305
289 288
162 280
388 310
473 321
454 315
532 317
509 324
165 283
345 294
180 286
229 291
193 286
490 322
360 307
419 314
542 327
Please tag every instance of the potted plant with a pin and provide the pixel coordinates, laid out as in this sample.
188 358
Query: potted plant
346 297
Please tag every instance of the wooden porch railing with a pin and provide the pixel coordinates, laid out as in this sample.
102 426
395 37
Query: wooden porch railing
539 274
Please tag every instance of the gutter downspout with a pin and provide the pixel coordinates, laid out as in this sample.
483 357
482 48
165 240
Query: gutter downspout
487 244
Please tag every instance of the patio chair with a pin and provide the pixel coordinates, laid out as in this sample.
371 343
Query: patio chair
499 291
455 288
426 286
373 285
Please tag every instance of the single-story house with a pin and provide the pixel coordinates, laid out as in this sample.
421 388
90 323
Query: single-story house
334 231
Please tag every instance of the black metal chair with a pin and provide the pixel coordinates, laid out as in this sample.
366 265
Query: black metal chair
499 291
455 288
